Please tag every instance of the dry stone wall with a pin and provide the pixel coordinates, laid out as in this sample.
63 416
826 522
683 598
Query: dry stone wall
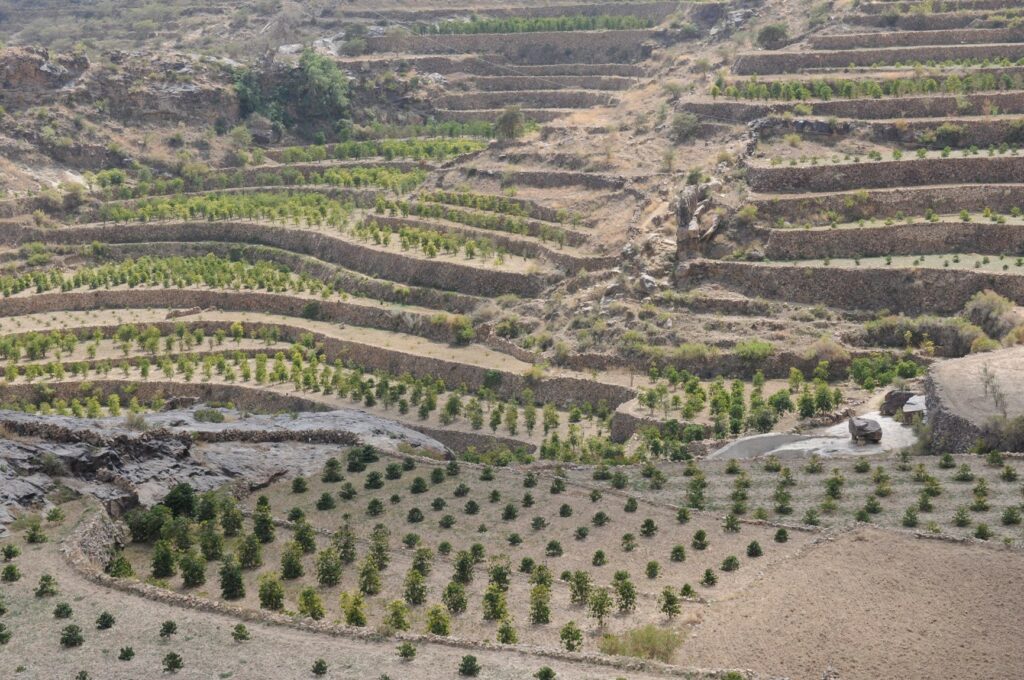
906 6
535 99
898 239
891 202
926 106
908 291
542 47
882 174
490 67
568 262
765 63
523 83
337 311
915 22
350 282
915 38
362 258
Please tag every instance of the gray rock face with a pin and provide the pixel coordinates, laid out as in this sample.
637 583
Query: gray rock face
916 405
894 401
123 468
865 429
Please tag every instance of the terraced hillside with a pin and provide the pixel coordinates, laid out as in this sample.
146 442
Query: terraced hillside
512 341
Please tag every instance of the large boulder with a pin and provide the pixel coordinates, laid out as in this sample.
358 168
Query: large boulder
894 401
865 429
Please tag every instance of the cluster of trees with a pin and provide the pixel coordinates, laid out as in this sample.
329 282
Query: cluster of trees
533 24
432 128
495 222
316 91
204 179
430 242
311 208
831 88
179 272
417 149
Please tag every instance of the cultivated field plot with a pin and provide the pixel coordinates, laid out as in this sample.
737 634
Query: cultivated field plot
442 340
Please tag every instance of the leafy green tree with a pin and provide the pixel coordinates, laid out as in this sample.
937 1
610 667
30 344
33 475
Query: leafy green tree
271 592
511 124
571 636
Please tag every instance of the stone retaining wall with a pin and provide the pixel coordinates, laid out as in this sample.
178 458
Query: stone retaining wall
890 202
655 11
728 364
924 106
563 391
524 83
490 115
541 47
550 179
350 282
980 132
981 169
530 99
242 397
765 63
960 5
964 36
400 267
923 238
262 302
915 22
908 291
534 228
570 263
950 432
490 67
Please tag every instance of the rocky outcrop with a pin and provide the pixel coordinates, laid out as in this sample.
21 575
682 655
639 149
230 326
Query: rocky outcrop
30 70
894 402
865 429
122 468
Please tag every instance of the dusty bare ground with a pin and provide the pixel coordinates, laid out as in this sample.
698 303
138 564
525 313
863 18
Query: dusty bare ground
876 605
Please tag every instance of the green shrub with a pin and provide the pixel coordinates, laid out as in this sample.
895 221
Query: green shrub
647 642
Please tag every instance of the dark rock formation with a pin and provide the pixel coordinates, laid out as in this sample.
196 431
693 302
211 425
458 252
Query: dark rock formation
865 429
894 401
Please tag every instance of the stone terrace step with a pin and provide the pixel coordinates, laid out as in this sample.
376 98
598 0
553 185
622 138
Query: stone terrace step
542 47
980 131
917 238
490 115
471 65
890 202
532 99
849 41
906 6
917 106
525 83
883 174
350 281
906 290
767 63
400 267
657 11
935 21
